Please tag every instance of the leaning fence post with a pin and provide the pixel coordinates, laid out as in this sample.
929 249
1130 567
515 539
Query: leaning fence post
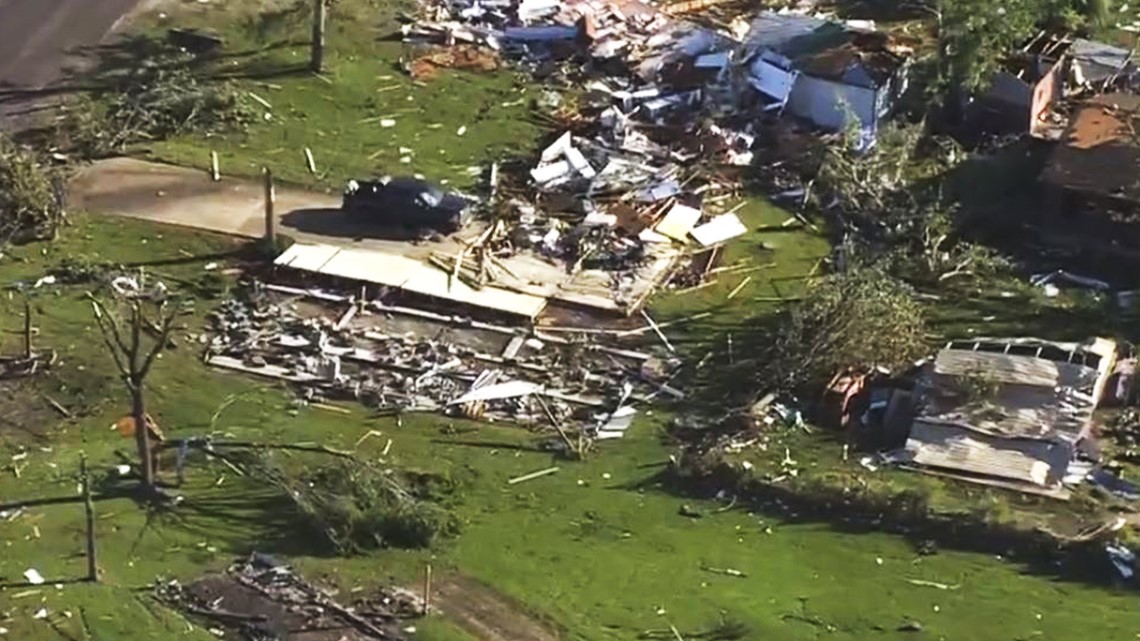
27 329
427 589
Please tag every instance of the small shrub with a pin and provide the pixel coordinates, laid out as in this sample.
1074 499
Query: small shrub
31 202
357 508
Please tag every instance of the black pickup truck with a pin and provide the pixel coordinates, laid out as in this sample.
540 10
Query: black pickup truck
405 202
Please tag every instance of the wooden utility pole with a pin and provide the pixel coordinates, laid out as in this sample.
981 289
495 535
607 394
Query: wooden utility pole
317 53
27 329
89 512
270 220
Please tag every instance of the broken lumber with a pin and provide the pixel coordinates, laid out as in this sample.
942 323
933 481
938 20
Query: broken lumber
736 290
657 330
726 571
533 475
56 406
309 162
932 584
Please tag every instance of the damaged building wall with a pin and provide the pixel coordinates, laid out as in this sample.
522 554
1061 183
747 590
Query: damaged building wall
822 71
1013 104
828 103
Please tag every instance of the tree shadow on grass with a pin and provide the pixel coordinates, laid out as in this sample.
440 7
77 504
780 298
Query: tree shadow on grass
1031 553
107 494
104 67
15 585
491 445
259 519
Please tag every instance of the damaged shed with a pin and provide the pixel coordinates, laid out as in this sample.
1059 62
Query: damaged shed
822 71
1008 412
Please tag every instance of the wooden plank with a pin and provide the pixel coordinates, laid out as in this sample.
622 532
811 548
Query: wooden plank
513 347
533 475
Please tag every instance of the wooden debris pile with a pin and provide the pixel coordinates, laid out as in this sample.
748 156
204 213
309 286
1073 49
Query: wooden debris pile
259 598
467 57
400 359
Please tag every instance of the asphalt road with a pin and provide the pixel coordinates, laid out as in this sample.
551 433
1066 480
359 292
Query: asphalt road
40 40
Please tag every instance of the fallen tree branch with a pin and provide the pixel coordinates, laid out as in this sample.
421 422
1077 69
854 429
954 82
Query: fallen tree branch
207 443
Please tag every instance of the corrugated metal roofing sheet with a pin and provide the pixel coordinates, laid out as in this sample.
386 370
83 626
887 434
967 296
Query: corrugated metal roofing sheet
1041 463
1108 57
1015 368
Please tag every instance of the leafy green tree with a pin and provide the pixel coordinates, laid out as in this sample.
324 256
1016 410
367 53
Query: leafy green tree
859 318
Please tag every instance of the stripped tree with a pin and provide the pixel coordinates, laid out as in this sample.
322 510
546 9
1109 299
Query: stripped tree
134 356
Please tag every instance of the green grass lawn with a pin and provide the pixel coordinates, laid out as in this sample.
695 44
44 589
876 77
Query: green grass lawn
597 549
363 116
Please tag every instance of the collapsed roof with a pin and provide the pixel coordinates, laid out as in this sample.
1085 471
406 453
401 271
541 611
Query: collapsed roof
1100 150
826 49
1009 409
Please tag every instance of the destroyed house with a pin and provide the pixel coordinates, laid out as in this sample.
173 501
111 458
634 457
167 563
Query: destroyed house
1032 80
1091 185
1007 412
823 71
1021 93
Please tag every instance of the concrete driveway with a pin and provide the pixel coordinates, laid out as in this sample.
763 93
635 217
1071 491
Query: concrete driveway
189 198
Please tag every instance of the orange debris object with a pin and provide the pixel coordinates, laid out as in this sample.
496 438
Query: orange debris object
126 427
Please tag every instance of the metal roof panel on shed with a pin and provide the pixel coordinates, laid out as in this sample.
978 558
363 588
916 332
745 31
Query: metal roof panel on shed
947 447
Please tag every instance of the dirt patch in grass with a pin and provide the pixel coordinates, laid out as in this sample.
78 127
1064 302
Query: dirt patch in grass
485 613
24 411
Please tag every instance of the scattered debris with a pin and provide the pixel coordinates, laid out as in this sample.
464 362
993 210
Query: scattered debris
461 56
1123 559
932 584
1044 280
726 571
689 511
397 359
275 601
1007 412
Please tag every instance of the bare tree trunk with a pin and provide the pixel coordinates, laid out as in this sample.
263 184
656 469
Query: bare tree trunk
142 438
